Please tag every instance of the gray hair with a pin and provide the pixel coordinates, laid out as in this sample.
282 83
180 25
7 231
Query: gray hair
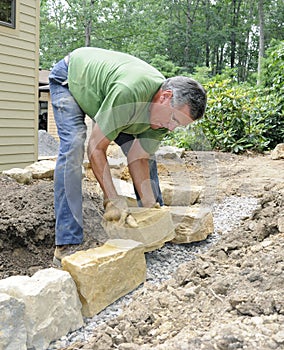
187 91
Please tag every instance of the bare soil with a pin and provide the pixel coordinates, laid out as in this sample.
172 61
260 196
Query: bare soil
231 297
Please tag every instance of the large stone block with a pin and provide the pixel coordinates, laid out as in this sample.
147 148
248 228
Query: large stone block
106 273
155 227
192 224
180 195
13 334
52 305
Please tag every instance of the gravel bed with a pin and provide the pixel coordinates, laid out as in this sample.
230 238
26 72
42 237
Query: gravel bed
48 146
162 263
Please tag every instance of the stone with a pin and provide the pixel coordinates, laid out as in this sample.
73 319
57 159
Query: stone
169 152
106 273
279 337
52 305
278 152
180 195
42 169
155 227
114 150
117 163
124 188
22 176
13 333
280 224
192 224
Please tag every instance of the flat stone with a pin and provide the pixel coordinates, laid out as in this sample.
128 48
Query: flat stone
180 195
124 188
278 152
155 228
52 305
106 273
192 224
169 152
22 176
42 169
13 333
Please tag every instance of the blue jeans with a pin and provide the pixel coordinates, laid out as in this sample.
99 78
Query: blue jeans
71 128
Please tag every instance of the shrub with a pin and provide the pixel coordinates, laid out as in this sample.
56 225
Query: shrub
240 117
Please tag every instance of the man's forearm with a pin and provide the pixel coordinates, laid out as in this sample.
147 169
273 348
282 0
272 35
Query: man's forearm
101 170
140 173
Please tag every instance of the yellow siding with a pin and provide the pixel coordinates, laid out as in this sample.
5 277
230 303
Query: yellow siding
51 128
19 87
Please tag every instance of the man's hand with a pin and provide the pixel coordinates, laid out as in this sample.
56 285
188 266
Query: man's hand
116 209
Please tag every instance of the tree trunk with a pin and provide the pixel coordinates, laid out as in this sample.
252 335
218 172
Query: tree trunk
88 24
261 40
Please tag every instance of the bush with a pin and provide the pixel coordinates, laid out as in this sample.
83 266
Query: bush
240 117
233 121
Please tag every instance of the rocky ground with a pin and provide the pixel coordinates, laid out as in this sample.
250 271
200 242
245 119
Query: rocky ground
230 297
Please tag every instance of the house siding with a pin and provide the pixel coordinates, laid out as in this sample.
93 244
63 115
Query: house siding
19 87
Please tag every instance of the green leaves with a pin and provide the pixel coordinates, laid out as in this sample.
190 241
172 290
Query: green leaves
240 117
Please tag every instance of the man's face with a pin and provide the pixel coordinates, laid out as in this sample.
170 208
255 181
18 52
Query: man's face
163 115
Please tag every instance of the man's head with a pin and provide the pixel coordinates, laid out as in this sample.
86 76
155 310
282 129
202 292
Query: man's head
179 102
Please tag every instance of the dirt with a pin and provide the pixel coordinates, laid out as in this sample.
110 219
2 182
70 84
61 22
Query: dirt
231 297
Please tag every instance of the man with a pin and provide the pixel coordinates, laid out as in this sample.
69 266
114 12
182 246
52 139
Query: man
132 104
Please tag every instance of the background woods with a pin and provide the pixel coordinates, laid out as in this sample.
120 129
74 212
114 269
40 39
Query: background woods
234 47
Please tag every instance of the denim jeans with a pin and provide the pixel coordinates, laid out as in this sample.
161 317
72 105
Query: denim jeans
71 127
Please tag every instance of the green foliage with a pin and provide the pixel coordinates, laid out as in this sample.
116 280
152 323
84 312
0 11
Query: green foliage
273 91
240 117
202 74
165 66
189 138
273 67
188 37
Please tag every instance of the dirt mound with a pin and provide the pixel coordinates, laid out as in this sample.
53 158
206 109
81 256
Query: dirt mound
27 225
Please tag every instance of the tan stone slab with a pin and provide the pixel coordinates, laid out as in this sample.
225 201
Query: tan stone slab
155 227
180 195
42 169
192 224
278 152
106 273
280 224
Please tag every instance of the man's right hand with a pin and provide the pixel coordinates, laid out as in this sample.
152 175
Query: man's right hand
116 210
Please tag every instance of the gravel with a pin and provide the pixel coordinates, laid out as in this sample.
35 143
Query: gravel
48 146
162 263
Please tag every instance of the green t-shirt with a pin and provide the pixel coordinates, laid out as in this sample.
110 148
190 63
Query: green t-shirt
115 89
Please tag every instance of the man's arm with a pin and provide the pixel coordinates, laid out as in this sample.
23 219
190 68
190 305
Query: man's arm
97 148
138 164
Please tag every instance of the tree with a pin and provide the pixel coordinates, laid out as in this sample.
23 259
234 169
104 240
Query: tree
261 39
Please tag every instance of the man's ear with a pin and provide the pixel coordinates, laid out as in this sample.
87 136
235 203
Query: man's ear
166 95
